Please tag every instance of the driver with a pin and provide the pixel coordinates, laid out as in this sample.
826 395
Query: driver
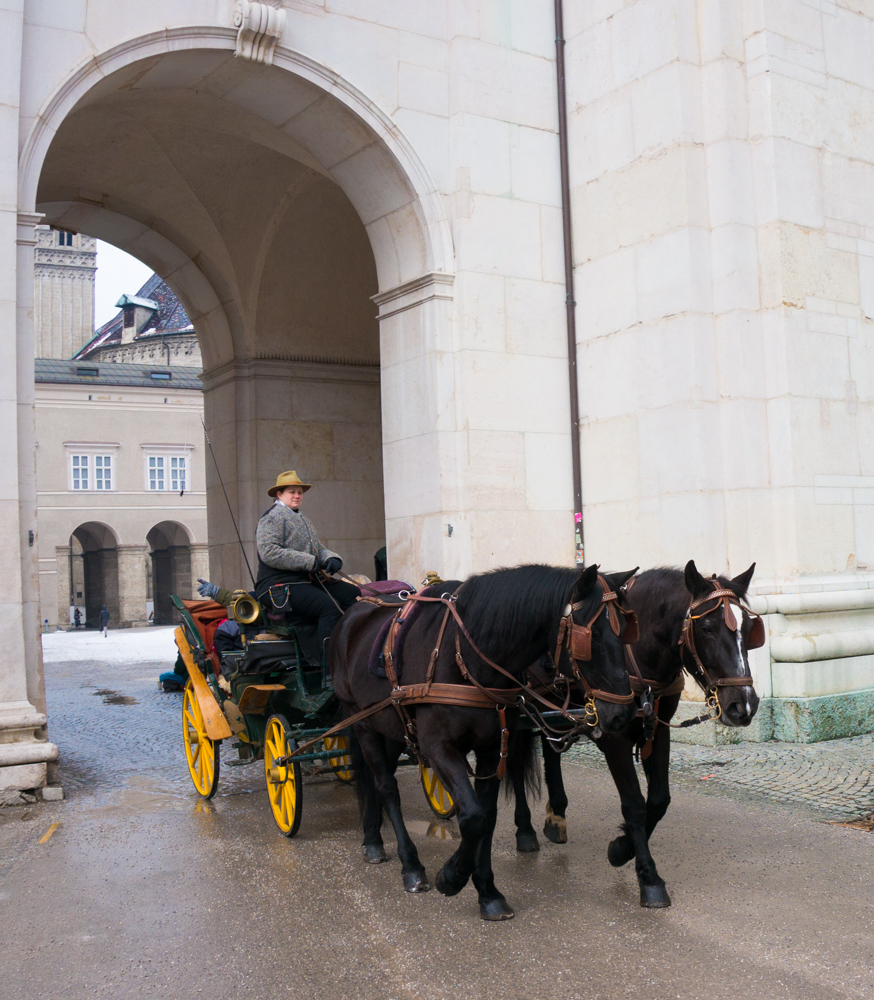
289 551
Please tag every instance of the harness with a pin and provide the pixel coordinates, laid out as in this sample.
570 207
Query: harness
576 639
650 692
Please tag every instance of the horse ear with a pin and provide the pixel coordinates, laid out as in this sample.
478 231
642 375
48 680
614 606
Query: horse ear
583 587
695 582
618 580
740 584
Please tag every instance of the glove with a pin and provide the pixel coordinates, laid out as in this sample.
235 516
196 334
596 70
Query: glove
332 565
207 589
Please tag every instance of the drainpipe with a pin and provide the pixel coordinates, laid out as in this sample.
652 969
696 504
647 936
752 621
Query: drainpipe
570 304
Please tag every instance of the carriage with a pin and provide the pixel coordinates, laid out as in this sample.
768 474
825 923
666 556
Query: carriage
280 698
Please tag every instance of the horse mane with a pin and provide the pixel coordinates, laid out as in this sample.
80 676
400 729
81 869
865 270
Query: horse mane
499 606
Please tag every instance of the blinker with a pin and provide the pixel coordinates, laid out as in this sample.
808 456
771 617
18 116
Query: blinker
580 642
757 633
632 629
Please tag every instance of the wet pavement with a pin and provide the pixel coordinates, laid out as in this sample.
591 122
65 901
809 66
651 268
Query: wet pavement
135 887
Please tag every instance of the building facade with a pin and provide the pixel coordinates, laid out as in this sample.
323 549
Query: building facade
360 207
121 490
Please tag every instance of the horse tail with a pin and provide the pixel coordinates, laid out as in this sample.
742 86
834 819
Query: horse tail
523 764
369 803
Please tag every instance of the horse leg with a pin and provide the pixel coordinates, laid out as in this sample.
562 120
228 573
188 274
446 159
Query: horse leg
451 765
369 804
383 763
656 768
618 752
492 904
521 750
555 827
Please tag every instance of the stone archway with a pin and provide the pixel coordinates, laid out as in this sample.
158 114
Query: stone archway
277 202
93 573
171 569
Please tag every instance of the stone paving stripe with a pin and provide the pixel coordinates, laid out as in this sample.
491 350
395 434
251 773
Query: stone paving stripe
47 836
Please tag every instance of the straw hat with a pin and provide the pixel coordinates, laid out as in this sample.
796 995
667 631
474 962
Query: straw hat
287 479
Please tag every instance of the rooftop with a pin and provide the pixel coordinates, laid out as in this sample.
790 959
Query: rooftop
170 318
60 372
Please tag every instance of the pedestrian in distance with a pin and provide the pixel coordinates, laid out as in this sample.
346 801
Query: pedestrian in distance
77 618
104 621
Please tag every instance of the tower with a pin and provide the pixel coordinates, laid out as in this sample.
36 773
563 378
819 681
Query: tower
64 268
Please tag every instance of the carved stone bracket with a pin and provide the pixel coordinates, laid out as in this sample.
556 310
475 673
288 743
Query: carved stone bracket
259 27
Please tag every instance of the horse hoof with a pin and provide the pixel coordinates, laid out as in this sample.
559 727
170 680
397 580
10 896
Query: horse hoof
556 830
374 854
496 909
445 886
654 897
527 843
618 854
416 882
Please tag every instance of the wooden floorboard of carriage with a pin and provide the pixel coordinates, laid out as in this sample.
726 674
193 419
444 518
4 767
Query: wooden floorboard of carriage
143 890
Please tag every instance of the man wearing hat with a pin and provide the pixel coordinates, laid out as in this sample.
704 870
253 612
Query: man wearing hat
289 551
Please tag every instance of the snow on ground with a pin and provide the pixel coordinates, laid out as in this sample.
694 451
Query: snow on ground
127 645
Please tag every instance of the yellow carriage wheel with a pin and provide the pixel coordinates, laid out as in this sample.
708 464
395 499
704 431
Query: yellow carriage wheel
343 761
201 752
439 799
284 784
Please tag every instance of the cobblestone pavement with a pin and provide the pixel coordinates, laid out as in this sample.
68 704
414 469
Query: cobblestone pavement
833 780
135 887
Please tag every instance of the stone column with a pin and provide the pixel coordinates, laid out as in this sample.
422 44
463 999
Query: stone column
132 584
65 596
199 567
23 754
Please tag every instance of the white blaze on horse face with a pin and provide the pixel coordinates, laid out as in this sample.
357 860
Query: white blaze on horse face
738 638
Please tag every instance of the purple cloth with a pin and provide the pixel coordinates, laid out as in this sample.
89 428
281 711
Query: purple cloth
382 587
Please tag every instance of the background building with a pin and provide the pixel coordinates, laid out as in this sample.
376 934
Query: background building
63 301
122 500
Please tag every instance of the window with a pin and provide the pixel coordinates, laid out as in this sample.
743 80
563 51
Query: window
80 472
161 376
177 474
91 472
65 239
156 472
88 371
103 472
166 467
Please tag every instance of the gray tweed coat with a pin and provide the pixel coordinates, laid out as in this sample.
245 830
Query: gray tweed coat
287 540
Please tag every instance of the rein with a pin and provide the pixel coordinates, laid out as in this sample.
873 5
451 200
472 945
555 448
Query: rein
473 694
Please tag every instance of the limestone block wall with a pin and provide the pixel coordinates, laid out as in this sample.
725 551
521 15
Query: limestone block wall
323 421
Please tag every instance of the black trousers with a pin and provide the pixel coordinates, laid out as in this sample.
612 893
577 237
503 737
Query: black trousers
310 601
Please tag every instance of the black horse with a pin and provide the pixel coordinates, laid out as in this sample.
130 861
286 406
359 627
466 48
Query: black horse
683 624
513 617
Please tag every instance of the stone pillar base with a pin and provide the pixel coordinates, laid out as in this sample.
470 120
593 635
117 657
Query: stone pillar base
23 757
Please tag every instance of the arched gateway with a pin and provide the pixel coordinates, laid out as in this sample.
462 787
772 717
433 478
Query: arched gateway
397 331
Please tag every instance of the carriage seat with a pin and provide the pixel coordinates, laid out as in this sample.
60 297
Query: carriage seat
269 655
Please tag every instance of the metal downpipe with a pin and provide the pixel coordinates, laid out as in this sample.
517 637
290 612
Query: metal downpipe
570 304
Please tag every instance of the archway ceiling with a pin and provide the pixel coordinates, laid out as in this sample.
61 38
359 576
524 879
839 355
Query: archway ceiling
229 179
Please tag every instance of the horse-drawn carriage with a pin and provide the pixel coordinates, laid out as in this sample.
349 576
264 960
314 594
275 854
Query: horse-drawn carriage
450 671
275 698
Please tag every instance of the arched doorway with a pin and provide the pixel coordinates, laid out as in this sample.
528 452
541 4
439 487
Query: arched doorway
279 204
94 572
169 569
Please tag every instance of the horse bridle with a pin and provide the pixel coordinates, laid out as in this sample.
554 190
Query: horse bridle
577 639
686 642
